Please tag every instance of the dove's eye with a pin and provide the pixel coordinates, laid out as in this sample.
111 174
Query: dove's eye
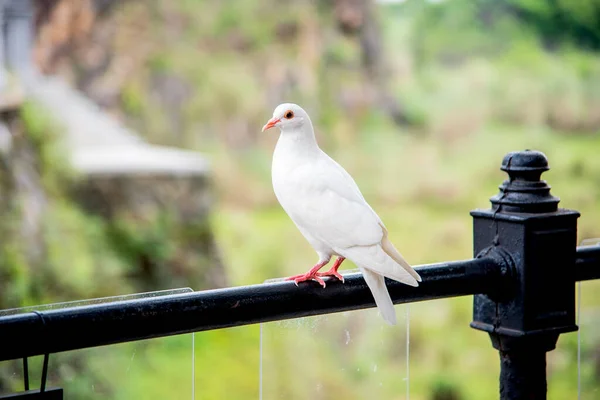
289 114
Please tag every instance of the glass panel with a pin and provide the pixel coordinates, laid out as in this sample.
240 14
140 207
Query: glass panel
574 366
589 339
227 363
151 369
11 311
584 345
159 368
564 375
349 355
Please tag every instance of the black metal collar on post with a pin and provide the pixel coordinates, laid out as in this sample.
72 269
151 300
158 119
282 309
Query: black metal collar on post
525 323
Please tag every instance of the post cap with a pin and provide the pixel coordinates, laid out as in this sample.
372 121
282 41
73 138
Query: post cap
525 161
525 191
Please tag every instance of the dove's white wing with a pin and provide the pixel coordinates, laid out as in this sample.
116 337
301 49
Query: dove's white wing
325 201
328 204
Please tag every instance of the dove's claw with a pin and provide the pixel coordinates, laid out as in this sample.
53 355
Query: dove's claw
334 270
311 275
333 273
320 281
296 278
306 277
314 274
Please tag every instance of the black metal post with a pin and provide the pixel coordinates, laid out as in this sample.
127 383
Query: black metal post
524 322
523 365
523 374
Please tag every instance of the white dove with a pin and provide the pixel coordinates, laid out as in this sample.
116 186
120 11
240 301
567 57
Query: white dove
329 210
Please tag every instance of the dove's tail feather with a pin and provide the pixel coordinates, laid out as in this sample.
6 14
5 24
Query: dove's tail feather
374 258
391 251
376 264
381 295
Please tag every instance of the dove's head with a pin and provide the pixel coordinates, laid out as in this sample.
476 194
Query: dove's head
287 116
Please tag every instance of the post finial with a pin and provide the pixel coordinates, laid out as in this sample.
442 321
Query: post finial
525 191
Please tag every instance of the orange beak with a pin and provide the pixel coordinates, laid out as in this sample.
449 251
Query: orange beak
271 123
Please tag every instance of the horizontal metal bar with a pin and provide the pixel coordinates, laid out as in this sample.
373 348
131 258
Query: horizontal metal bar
52 331
587 264
57 330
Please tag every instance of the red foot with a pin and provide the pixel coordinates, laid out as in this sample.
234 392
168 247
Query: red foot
333 273
314 274
310 275
334 270
306 277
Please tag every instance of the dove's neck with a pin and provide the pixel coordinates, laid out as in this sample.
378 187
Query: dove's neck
300 140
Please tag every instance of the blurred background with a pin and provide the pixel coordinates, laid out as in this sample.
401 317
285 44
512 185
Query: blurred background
131 160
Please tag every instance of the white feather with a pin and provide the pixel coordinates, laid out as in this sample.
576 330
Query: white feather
375 259
381 295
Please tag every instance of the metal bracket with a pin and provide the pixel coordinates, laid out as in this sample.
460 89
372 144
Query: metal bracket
41 393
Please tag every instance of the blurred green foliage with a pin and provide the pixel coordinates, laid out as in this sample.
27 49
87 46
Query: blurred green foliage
553 23
53 251
560 21
66 264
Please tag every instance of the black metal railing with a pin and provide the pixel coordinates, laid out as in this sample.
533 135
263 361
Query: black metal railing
522 278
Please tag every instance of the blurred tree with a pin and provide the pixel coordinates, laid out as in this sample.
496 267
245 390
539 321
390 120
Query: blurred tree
555 22
560 21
